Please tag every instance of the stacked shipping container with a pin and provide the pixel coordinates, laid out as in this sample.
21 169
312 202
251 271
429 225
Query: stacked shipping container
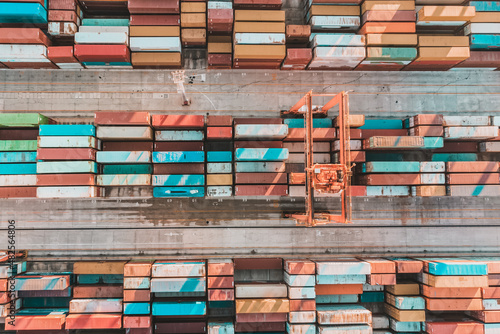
219 156
136 298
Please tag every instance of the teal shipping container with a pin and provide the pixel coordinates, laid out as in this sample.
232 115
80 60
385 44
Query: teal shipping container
127 169
167 192
220 327
54 167
387 191
179 135
455 268
42 311
103 65
299 280
384 124
431 143
219 156
17 157
405 326
390 54
332 39
261 154
124 180
106 22
22 13
180 284
301 328
99 279
179 180
298 123
133 157
338 299
446 157
179 157
484 42
341 279
486 6
136 308
372 297
184 308
260 131
406 302
67 130
17 169
38 302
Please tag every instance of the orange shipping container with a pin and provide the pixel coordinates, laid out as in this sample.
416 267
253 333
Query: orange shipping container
409 266
339 289
220 294
171 59
391 39
267 52
446 13
94 321
385 5
454 304
220 268
220 282
136 295
154 31
486 17
387 27
193 7
264 27
194 36
490 293
404 315
440 41
455 281
137 269
429 191
472 167
259 15
300 267
381 279
473 178
23 36
299 305
390 179
404 289
381 266
36 322
443 53
486 316
262 306
334 10
454 327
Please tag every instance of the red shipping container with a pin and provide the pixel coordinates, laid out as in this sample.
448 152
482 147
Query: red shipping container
457 147
358 190
127 146
374 133
490 293
258 263
66 153
155 20
36 322
137 269
62 331
153 6
220 269
261 190
409 266
427 131
339 289
219 120
34 66
136 295
260 326
220 282
93 321
261 317
222 60
63 16
261 178
358 156
17 192
458 327
472 167
319 134
297 178
297 305
178 146
220 17
389 16
178 121
300 267
219 132
136 321
257 4
390 179
98 291
65 180
23 36
250 65
481 59
381 279
387 27
238 121
473 178
427 119
486 316
160 169
63 4
220 294
122 118
258 144
381 266
298 56
15 134
61 54
180 328
102 53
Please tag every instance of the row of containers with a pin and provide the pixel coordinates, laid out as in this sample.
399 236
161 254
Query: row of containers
252 295
337 34
135 154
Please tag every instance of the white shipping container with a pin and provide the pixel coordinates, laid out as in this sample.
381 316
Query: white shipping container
120 29
471 132
492 146
356 145
8 52
466 120
67 142
128 133
72 66
17 180
115 38
165 44
482 28
432 167
335 22
338 40
265 290
259 38
62 28
68 192
433 178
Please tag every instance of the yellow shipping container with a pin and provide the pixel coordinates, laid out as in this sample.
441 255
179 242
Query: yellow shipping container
267 27
259 52
446 13
404 315
443 41
214 47
391 39
98 268
387 5
443 53
219 179
334 10
193 7
155 31
193 20
156 59
259 15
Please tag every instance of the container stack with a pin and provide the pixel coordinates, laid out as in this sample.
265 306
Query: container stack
179 157
469 128
136 298
23 47
300 278
438 47
492 146
220 284
66 161
179 302
333 317
63 57
103 43
155 38
18 145
372 298
261 299
6 295
220 49
45 298
259 39
389 27
355 135
219 156
24 13
452 286
298 55
64 18
405 307
97 299
194 23
125 161
472 178
332 16
260 160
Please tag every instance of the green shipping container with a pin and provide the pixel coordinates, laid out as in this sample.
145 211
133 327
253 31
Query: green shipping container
17 145
21 120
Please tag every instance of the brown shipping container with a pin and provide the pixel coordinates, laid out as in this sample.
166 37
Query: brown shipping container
473 178
179 146
298 33
65 180
223 61
427 119
154 31
260 327
66 153
334 10
390 179
193 327
17 192
18 134
63 16
23 36
261 190
482 59
427 131
389 16
258 263
98 291
219 120
261 178
153 6
265 27
220 282
261 317
193 36
458 147
122 118
127 146
35 66
136 295
472 167
62 4
258 144
160 169
257 4
155 20
152 59
298 56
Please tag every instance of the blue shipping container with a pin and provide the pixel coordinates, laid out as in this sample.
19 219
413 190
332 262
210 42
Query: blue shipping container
219 156
382 124
161 192
136 308
17 157
484 42
179 308
179 156
67 130
17 169
179 180
298 123
20 12
261 154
